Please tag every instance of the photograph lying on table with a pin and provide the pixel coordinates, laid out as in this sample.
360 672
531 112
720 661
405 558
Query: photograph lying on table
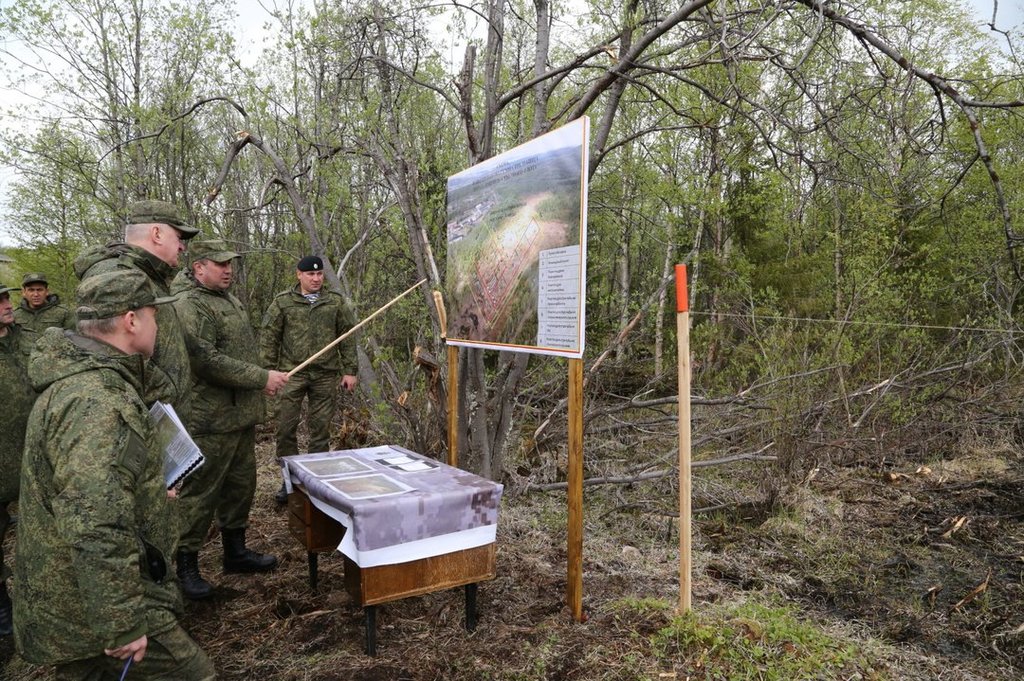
407 464
341 465
368 486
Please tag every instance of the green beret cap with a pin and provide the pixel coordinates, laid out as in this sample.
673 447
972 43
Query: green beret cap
162 212
113 293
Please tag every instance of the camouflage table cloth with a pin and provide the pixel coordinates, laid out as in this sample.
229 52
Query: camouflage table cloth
397 505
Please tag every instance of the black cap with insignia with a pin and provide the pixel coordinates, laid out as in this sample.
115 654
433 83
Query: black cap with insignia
311 263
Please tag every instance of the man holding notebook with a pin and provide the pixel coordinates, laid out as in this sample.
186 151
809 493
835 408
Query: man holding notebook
226 406
96 528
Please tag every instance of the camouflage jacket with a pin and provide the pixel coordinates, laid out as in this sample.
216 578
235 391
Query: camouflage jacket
95 522
35 321
294 329
16 398
182 282
227 377
171 356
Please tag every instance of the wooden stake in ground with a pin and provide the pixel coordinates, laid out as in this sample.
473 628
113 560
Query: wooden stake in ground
683 336
354 329
574 476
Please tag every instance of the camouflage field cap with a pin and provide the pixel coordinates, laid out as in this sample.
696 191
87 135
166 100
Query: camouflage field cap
34 278
152 210
7 289
113 293
211 249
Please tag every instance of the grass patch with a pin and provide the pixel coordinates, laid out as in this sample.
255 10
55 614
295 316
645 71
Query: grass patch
754 641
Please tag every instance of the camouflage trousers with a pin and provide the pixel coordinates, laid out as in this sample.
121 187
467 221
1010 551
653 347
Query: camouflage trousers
170 656
5 522
224 487
322 390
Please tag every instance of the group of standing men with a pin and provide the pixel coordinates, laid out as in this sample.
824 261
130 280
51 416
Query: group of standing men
97 526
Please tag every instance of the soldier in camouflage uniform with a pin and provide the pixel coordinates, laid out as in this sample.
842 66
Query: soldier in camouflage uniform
39 310
16 398
96 531
298 324
154 238
226 407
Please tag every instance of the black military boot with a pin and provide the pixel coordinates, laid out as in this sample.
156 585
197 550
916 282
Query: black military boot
238 558
193 586
282 495
6 616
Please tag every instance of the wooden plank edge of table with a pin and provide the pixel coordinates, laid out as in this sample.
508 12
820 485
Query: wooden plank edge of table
383 583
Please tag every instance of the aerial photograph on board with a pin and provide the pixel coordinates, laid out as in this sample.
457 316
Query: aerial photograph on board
503 214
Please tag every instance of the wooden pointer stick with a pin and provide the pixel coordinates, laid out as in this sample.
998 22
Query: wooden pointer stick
354 329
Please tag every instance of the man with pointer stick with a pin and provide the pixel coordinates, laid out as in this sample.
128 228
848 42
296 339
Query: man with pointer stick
298 323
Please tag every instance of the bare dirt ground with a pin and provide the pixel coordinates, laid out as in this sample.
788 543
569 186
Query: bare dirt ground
909 572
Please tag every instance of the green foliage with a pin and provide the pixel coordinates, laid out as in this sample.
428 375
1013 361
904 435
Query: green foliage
801 174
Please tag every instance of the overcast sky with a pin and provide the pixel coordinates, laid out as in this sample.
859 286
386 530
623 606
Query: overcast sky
252 16
1009 13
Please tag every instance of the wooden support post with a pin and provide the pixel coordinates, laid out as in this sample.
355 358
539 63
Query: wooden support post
453 383
453 406
574 579
683 335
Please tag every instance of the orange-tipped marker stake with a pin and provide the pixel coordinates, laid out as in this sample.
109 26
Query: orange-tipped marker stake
685 538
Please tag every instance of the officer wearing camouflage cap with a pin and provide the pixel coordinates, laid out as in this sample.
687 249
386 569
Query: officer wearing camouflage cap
154 239
16 398
96 530
298 323
39 309
226 407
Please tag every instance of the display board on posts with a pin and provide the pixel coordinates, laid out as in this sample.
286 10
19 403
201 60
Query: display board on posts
516 282
517 247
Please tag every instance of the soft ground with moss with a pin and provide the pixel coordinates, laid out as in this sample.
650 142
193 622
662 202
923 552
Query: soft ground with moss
908 572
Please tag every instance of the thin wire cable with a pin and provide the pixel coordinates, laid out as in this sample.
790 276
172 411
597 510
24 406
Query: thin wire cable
859 323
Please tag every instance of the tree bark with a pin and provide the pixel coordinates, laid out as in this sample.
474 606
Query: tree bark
540 64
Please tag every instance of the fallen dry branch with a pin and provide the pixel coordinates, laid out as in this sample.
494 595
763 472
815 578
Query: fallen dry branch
654 475
616 342
975 592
